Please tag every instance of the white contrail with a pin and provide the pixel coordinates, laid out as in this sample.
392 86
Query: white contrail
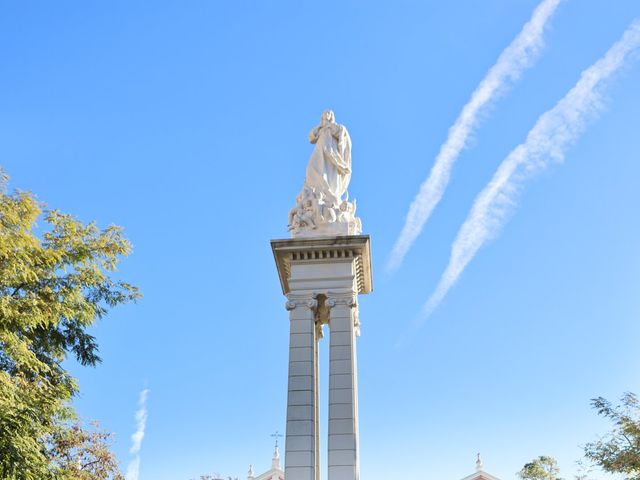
547 141
517 57
133 469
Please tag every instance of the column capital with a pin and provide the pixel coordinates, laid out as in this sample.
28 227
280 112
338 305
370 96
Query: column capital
350 299
308 300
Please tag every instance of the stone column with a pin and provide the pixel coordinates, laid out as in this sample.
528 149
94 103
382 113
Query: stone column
322 278
343 387
302 442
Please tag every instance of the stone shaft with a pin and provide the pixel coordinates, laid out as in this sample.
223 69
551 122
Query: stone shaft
343 391
302 440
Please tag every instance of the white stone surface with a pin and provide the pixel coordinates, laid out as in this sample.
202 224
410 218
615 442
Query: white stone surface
302 436
322 279
274 473
480 474
322 207
343 389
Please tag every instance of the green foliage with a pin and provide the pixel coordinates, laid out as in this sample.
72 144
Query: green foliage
619 450
541 468
53 286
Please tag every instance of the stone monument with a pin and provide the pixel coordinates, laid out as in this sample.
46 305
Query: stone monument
322 269
322 207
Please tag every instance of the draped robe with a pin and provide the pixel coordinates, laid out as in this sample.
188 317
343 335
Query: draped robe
329 169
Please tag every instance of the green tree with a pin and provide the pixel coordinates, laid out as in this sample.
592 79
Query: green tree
619 450
541 468
54 283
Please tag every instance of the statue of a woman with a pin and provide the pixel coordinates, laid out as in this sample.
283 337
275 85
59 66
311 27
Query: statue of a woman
320 207
329 169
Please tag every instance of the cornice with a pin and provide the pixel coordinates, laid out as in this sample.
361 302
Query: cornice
355 248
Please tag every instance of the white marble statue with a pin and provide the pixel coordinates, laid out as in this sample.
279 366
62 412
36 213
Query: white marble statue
320 207
329 169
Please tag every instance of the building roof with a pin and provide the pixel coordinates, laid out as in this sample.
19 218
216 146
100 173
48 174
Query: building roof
480 474
274 473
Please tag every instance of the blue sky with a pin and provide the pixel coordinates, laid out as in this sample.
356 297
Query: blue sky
186 123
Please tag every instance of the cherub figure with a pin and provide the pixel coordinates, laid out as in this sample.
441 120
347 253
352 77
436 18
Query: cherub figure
347 211
300 216
327 213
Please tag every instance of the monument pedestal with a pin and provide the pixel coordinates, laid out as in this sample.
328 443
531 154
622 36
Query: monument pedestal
322 278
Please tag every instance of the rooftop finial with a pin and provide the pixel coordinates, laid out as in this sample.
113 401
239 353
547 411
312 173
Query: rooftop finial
478 463
275 461
276 435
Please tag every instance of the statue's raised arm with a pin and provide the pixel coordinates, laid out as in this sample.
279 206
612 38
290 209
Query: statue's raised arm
321 209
